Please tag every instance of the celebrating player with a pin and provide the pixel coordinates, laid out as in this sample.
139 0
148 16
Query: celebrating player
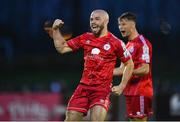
101 48
139 90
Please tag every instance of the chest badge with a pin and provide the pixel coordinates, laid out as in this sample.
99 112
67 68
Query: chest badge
131 49
106 46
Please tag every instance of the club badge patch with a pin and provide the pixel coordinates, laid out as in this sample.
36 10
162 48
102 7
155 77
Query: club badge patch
107 47
131 49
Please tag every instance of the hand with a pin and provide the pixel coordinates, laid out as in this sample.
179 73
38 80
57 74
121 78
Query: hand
57 24
117 90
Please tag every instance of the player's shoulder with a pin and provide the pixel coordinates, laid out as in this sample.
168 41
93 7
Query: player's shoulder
116 42
143 40
114 39
88 34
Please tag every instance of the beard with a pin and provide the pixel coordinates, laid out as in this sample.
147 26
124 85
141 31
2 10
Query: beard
98 30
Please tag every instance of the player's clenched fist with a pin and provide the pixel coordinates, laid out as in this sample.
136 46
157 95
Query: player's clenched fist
57 24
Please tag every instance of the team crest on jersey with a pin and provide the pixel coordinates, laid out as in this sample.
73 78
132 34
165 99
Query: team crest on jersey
107 47
131 49
95 51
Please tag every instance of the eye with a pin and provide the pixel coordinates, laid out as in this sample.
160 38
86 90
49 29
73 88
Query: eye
122 24
91 19
97 18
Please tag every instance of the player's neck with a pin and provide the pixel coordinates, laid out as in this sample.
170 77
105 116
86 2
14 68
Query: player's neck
133 35
103 33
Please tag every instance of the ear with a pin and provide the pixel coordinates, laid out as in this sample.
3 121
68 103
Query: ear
134 24
106 21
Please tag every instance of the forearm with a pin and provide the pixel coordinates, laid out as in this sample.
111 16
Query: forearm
143 70
58 39
127 73
118 71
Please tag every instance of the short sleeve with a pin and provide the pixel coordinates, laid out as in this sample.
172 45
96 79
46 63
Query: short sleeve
76 42
122 52
144 50
143 53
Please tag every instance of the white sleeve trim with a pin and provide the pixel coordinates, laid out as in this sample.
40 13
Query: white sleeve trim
145 54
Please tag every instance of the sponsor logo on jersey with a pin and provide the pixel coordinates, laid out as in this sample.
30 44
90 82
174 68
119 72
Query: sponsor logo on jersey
95 51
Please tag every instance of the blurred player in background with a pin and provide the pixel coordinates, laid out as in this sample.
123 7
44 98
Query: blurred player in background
139 90
101 48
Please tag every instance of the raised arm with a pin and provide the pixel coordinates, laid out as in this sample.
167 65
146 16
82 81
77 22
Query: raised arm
127 72
59 41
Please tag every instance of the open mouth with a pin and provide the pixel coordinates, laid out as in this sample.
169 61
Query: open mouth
94 28
123 32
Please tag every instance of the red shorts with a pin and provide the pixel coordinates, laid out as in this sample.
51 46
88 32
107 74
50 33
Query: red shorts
85 97
138 106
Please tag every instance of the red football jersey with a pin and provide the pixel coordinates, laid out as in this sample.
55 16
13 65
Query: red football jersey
100 56
141 51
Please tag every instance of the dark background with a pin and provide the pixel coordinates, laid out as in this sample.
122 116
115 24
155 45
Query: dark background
30 63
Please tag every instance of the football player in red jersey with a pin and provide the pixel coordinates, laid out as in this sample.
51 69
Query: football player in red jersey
101 49
139 90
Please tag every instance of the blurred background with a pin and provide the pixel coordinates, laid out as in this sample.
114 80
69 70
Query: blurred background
36 82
